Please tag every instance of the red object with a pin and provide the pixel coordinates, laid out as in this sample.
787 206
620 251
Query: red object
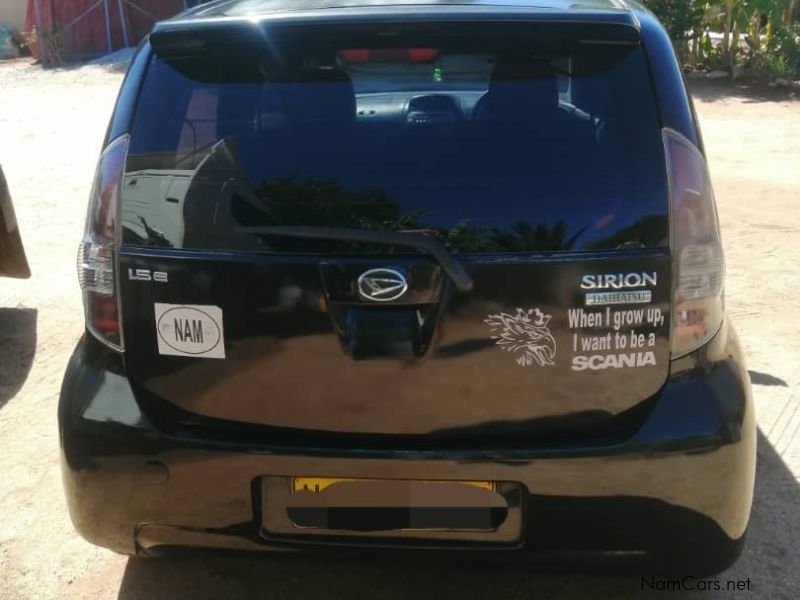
367 55
356 55
423 55
85 34
105 315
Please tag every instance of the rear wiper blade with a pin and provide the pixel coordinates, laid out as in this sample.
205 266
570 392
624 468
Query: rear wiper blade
423 243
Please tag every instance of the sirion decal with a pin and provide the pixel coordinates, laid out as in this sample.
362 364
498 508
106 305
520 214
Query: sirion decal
526 334
190 330
618 281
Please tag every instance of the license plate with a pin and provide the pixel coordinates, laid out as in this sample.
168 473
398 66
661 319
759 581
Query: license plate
478 511
317 484
395 504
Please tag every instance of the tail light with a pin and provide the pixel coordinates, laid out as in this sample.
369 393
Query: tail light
372 55
96 265
698 260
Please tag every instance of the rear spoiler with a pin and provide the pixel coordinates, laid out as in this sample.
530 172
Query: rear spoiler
580 23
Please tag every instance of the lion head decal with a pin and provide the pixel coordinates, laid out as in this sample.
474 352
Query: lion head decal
526 334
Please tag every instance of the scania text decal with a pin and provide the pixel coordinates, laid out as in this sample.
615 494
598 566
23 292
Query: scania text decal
629 339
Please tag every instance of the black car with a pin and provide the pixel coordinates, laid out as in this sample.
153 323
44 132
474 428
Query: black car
13 262
432 275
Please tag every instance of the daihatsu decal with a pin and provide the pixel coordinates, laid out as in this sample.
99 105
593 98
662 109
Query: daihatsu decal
632 297
619 288
382 285
526 334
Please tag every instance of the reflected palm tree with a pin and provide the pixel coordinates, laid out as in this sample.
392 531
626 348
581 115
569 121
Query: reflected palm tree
525 237
324 203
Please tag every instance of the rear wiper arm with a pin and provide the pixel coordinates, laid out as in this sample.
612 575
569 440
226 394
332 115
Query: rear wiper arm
423 243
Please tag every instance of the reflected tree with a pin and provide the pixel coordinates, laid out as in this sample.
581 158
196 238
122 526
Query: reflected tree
649 231
325 203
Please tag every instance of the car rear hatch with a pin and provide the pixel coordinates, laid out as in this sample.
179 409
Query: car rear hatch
514 277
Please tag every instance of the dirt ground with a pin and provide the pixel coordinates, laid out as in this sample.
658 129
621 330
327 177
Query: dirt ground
51 125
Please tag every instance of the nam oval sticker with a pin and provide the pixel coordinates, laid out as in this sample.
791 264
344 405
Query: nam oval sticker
190 330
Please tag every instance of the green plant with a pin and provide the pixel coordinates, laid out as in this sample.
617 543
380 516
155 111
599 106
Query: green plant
681 18
785 46
779 56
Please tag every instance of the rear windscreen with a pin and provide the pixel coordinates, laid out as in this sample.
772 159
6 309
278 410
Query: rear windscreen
492 141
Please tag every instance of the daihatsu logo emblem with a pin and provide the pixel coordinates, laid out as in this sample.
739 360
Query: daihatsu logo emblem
382 285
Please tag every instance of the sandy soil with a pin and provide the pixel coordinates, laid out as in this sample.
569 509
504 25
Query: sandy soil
51 125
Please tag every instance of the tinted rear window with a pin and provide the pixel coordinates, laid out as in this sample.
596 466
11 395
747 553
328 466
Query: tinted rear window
493 142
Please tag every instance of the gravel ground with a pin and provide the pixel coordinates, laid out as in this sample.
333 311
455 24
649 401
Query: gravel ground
51 124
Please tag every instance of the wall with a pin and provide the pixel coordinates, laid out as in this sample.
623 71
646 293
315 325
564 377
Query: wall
88 36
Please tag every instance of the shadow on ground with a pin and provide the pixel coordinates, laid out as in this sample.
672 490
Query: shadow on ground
17 347
750 91
758 378
768 560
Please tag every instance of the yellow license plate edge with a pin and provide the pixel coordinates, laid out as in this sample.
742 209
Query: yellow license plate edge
317 484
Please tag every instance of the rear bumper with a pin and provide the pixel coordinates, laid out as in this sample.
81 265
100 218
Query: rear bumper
685 479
